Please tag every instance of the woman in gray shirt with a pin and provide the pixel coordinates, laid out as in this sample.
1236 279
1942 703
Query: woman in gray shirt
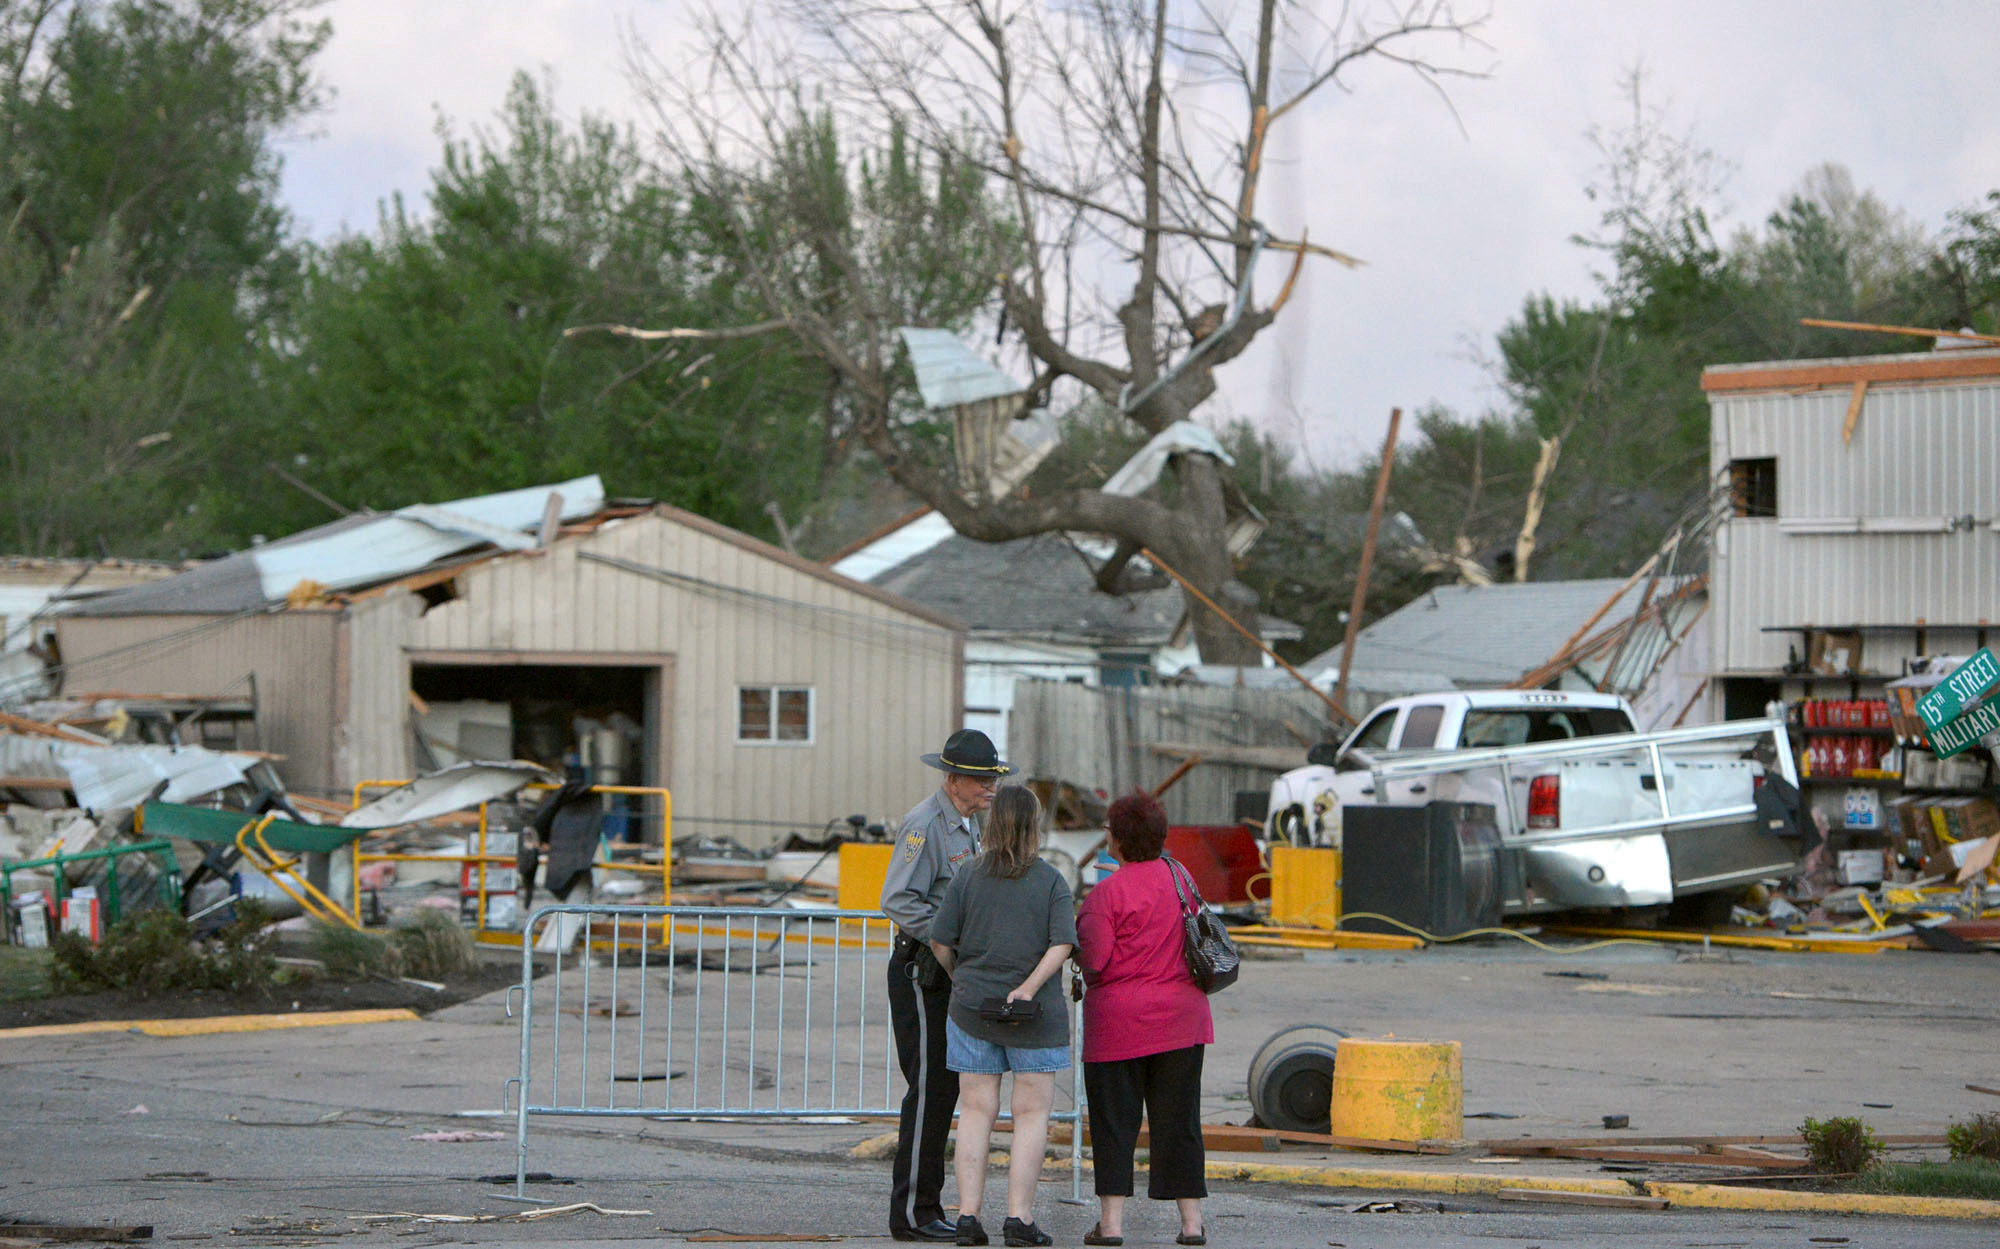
1004 929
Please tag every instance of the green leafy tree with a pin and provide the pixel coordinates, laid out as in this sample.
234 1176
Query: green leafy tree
145 258
431 359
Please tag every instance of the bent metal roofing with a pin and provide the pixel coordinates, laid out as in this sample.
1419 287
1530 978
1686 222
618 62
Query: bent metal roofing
354 551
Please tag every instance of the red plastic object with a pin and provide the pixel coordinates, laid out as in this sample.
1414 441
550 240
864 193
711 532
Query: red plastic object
1222 858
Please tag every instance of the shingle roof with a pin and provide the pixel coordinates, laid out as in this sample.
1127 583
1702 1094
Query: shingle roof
1038 588
1480 635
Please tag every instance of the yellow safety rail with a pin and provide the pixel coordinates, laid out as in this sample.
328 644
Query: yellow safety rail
277 869
484 858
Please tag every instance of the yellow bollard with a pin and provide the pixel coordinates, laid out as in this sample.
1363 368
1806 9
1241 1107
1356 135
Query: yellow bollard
863 867
1389 1090
1305 887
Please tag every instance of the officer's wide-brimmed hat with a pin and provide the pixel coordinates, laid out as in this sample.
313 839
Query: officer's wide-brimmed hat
969 752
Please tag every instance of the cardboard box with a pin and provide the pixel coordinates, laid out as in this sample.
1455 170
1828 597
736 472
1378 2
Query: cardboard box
31 920
1834 651
83 914
1860 867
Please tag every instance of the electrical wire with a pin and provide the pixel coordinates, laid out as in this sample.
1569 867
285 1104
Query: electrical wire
1515 933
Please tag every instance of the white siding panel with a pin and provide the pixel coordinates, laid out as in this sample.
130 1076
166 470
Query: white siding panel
1917 451
291 654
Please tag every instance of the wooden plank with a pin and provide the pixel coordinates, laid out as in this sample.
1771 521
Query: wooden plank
1611 1201
35 782
1853 412
21 724
1929 368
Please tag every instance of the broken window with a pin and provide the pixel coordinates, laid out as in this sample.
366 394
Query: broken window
773 713
1753 487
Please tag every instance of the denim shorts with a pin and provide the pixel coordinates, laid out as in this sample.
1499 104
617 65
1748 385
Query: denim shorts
968 1055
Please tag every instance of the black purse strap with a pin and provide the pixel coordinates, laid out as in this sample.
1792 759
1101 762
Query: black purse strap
1174 872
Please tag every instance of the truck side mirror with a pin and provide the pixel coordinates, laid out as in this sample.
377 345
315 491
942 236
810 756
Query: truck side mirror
1325 755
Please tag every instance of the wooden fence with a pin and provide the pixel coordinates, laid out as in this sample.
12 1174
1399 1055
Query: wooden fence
1116 739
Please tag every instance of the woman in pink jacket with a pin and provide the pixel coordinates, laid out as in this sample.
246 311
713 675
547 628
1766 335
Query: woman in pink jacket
1145 1022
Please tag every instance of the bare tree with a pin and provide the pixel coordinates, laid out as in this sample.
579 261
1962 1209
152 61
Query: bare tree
1113 242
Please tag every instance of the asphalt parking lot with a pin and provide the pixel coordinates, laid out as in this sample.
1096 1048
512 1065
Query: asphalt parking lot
302 1136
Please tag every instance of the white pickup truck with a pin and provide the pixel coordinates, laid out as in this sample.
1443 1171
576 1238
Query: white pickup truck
1584 816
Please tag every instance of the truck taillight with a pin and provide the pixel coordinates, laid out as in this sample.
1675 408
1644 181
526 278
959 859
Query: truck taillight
1545 801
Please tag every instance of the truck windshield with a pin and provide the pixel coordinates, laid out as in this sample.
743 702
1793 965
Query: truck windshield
1523 726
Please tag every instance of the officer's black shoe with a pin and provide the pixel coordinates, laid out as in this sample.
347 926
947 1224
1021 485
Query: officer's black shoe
1015 1232
937 1230
969 1231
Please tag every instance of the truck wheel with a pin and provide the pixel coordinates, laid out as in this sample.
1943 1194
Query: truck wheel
1291 1078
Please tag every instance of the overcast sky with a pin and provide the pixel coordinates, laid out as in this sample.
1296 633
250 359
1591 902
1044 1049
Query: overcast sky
1457 224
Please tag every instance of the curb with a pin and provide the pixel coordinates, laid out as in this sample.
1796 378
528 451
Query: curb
1686 1196
214 1024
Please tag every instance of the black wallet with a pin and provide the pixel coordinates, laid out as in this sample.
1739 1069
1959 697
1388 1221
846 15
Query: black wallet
1006 1010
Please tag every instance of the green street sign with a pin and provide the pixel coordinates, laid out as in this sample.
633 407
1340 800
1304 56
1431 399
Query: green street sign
1951 738
1967 681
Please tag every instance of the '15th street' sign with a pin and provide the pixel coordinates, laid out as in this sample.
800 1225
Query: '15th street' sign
1967 681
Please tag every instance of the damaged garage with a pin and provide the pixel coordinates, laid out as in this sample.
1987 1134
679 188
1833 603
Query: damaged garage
636 642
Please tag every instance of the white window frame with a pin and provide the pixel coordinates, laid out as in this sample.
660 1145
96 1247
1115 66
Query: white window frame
775 691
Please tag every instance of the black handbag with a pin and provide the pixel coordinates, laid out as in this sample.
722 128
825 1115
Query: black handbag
1211 956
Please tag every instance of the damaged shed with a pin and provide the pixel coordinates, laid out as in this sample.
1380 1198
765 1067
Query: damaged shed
647 644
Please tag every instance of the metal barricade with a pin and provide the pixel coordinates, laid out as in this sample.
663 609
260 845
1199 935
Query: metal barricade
666 1012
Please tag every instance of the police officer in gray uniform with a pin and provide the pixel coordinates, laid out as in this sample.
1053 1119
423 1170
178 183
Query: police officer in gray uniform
934 840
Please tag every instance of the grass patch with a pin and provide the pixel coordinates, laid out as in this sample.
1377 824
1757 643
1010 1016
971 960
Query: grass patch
350 954
430 945
24 973
435 946
1962 1177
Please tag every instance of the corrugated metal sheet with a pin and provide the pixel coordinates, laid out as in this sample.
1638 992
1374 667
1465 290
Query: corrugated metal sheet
949 373
355 551
291 654
1918 450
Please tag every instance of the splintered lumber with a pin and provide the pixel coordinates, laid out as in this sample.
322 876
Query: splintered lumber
1230 1137
1612 1201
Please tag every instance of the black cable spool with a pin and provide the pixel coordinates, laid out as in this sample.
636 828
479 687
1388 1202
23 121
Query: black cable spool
1291 1078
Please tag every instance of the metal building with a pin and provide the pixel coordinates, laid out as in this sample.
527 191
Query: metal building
1864 520
763 689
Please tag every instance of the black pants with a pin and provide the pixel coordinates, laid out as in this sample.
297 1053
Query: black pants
1166 1090
917 1016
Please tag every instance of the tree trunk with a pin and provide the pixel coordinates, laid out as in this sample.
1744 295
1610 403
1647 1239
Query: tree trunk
1198 551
